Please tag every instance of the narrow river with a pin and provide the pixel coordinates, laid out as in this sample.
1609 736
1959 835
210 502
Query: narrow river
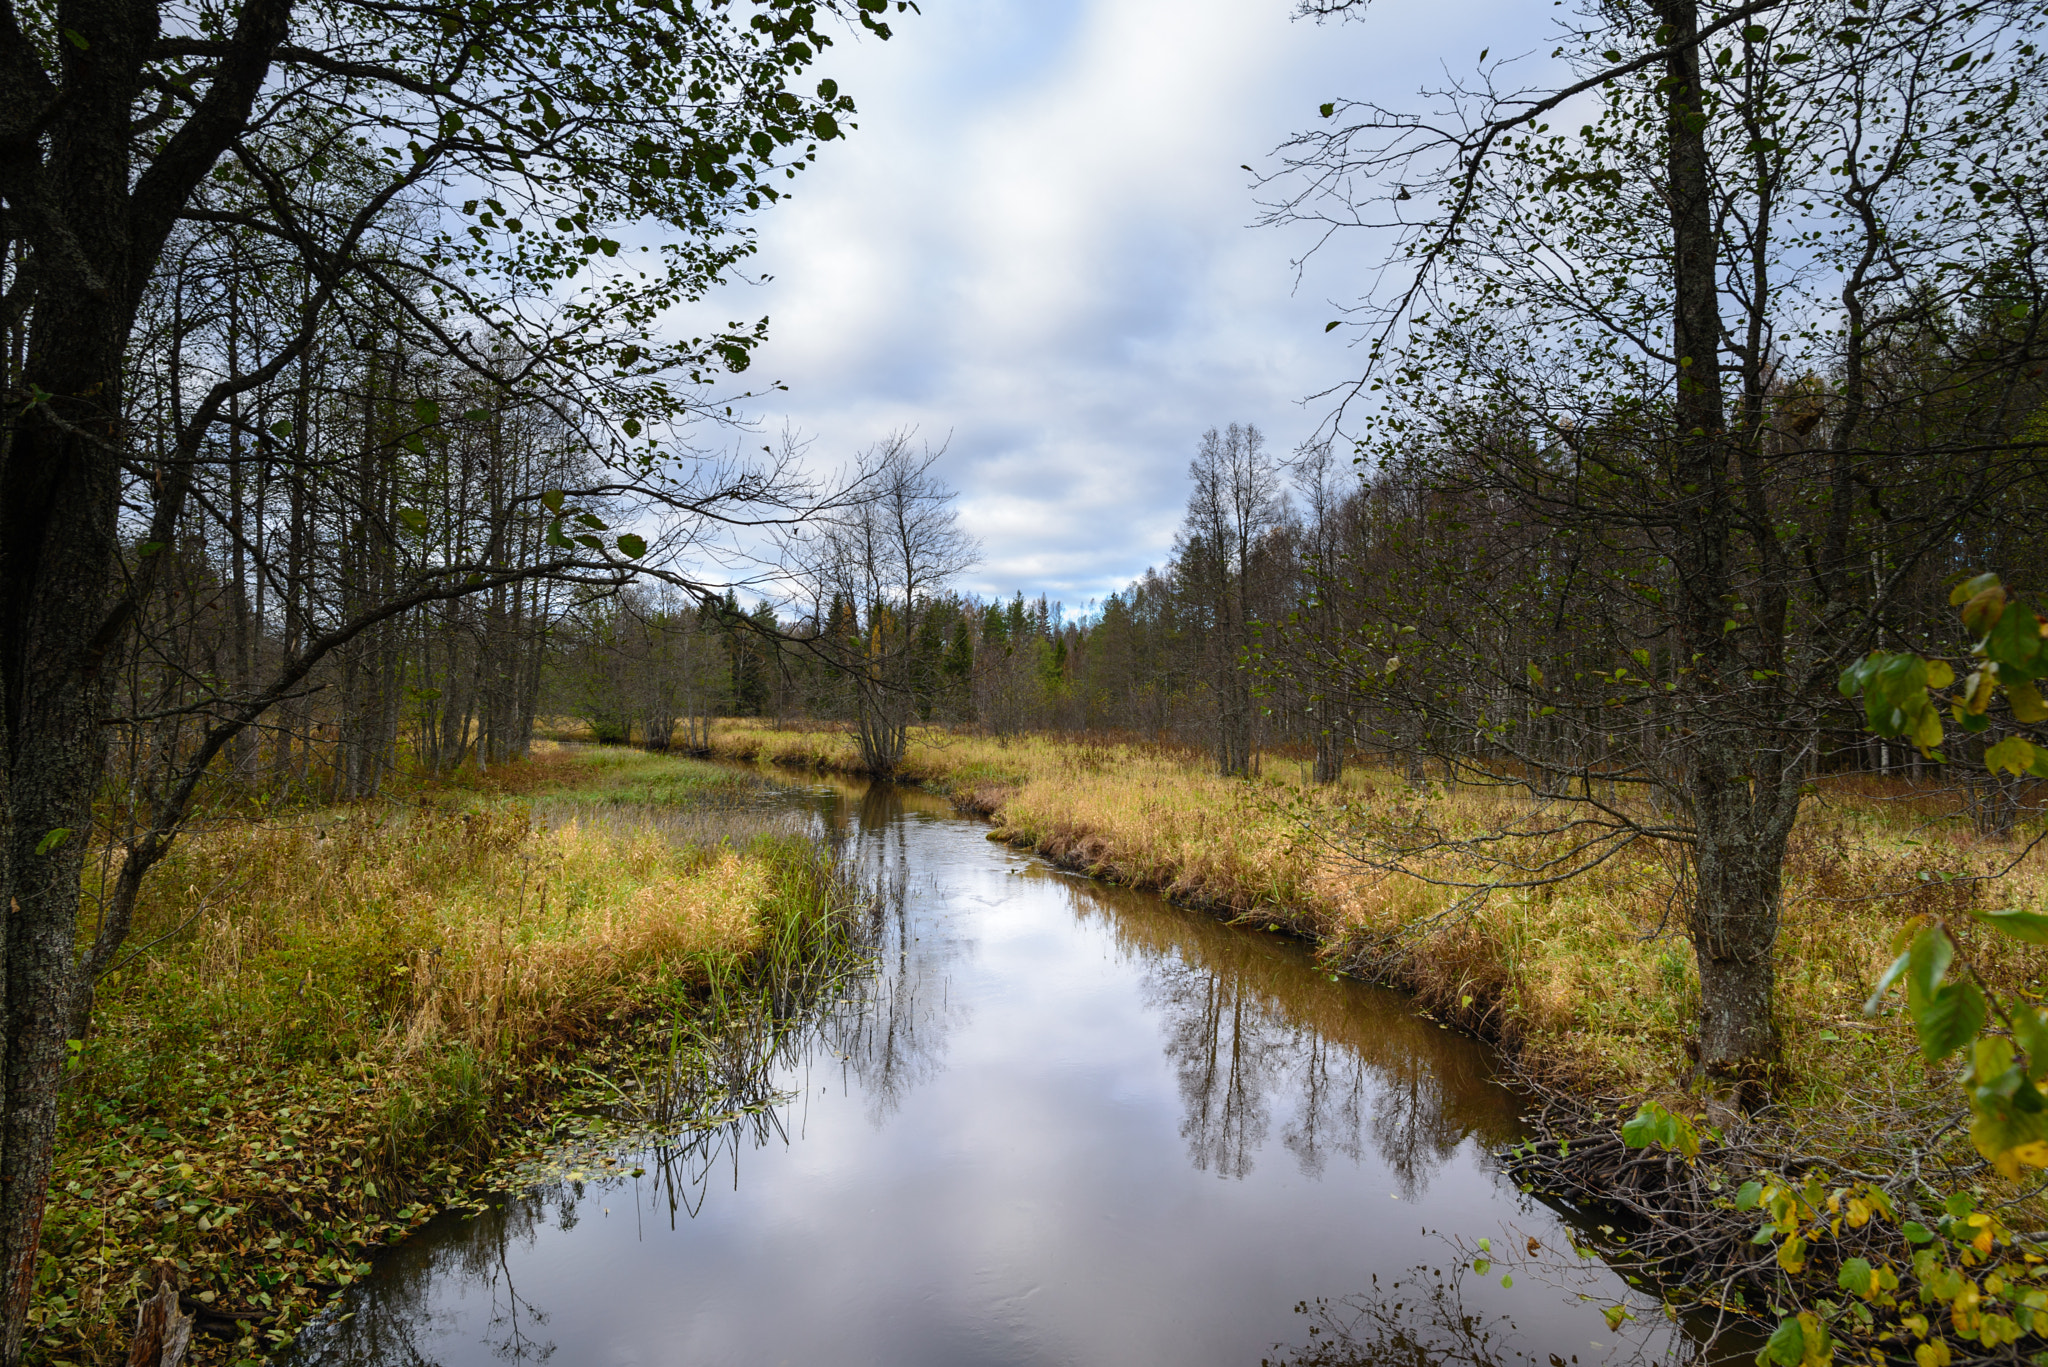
1061 1122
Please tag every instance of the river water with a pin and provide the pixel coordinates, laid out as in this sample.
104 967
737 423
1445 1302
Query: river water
1059 1122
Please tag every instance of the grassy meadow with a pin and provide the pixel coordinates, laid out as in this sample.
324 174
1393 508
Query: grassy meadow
332 1025
1591 982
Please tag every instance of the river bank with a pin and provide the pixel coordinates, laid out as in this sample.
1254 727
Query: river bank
1053 1120
1589 983
1590 987
336 1024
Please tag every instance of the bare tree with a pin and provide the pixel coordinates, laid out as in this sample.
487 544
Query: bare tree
872 573
1237 501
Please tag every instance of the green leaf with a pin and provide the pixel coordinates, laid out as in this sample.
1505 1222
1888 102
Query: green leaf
149 548
631 427
1856 677
1482 1266
413 518
825 126
427 411
1949 1020
1916 1233
1615 1315
77 39
1333 325
1969 589
2031 1029
552 500
54 840
281 429
2014 641
1927 964
1982 609
1787 1345
477 415
1328 109
1855 1277
590 542
2030 926
1748 1194
1923 723
631 546
629 356
1884 984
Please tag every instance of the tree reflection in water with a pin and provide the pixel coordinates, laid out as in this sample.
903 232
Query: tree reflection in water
394 1327
888 1028
1251 1034
1425 1320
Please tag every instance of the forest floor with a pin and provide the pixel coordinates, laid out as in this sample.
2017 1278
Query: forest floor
334 1023
1590 983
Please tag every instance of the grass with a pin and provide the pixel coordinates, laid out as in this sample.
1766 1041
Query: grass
333 1026
1590 982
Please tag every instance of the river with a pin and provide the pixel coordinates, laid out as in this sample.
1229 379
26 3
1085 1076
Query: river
1058 1122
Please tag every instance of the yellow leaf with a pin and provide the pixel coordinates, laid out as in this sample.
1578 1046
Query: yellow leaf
2033 1154
1939 675
1977 691
2026 702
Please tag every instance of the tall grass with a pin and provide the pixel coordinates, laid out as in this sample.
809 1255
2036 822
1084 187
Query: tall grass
1592 980
330 1027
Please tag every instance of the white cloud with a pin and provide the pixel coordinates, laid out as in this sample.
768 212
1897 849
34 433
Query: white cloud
1035 247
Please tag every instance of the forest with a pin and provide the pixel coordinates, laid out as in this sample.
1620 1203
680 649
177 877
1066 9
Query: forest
1689 476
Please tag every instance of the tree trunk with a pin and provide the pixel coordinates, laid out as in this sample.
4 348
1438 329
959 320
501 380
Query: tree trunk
1741 809
1329 762
57 552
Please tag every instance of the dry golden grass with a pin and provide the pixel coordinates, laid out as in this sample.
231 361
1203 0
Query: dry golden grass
398 937
1590 980
331 1026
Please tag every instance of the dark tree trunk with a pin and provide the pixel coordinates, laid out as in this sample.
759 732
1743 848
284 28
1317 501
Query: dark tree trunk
1740 802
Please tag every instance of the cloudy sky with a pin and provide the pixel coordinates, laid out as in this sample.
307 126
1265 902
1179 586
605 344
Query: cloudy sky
1036 248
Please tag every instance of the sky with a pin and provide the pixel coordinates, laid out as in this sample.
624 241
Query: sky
1037 250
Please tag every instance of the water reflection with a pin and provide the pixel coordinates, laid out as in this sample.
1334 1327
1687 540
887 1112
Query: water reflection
1254 1028
399 1325
1439 1317
890 1030
1049 1121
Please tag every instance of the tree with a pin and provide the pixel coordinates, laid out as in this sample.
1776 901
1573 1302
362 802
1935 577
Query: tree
877 566
1237 501
1644 385
444 183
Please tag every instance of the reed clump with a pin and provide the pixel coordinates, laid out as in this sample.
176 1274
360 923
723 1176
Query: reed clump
331 1027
